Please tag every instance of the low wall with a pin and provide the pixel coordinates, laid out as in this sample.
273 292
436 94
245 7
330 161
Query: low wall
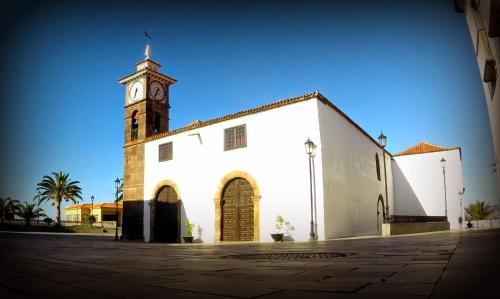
390 229
486 223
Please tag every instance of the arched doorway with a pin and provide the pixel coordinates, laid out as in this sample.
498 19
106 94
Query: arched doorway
380 213
237 209
166 216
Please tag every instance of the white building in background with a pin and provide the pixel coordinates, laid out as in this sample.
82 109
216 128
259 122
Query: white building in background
419 182
483 20
234 174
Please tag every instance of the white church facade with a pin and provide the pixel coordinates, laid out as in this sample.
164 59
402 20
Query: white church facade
234 174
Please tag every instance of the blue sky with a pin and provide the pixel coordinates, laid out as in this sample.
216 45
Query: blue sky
405 67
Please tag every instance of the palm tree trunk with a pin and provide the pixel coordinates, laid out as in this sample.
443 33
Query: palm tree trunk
58 213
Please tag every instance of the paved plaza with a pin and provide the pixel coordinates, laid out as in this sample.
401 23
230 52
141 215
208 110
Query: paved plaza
434 265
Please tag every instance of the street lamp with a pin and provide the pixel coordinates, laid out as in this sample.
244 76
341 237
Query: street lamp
313 155
461 200
311 151
443 164
92 205
38 204
382 140
77 212
117 186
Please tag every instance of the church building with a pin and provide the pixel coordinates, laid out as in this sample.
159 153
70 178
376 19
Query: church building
233 175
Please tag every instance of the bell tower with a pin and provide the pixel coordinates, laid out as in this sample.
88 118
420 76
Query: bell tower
146 114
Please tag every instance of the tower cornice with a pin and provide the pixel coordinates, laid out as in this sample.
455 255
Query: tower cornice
148 72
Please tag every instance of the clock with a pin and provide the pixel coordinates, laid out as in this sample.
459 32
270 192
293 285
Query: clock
156 91
136 91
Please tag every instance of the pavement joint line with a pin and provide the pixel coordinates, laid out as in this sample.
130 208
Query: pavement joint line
443 270
272 293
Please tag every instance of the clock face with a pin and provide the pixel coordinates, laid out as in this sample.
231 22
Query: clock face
156 91
136 91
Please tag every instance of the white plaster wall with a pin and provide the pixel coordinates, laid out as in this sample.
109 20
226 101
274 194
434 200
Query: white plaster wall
274 157
350 181
419 185
492 98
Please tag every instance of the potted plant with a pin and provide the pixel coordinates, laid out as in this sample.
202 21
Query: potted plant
289 229
280 224
189 232
198 239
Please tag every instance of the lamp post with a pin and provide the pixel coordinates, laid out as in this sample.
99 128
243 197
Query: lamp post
443 164
461 202
38 205
310 151
117 186
382 140
313 155
77 212
92 205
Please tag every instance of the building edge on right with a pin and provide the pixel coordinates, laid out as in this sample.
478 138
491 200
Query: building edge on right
483 20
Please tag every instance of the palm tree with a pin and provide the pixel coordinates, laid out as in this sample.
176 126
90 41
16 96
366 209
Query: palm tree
56 189
8 207
479 210
29 211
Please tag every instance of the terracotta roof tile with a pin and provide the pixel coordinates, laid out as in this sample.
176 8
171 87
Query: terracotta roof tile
425 147
315 94
96 205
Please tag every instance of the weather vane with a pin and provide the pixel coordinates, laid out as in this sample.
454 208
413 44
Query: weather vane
147 53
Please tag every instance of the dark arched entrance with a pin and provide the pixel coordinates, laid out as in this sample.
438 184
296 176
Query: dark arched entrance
237 211
380 212
166 222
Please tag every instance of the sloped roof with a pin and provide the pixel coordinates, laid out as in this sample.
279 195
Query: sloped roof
280 103
96 205
425 147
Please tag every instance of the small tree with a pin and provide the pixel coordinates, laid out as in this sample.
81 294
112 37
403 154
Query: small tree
479 210
289 229
92 220
29 211
199 230
8 208
56 189
280 223
48 221
189 228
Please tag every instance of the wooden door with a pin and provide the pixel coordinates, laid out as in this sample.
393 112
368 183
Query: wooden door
166 227
237 211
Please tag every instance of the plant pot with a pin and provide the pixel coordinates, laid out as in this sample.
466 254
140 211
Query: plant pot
277 237
188 239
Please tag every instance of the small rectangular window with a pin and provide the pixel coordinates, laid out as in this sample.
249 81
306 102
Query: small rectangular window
235 137
165 152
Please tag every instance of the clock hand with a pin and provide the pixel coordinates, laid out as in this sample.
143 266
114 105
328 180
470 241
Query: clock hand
135 93
156 93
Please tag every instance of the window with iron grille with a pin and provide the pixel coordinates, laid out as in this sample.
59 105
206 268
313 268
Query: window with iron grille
235 137
165 152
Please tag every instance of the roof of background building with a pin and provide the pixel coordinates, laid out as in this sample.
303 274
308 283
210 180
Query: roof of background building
425 147
96 205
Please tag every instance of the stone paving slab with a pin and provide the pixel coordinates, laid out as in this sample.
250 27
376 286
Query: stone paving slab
36 286
328 295
399 289
437 265
227 288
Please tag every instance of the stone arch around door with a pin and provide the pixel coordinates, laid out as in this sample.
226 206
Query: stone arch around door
380 209
165 213
246 180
